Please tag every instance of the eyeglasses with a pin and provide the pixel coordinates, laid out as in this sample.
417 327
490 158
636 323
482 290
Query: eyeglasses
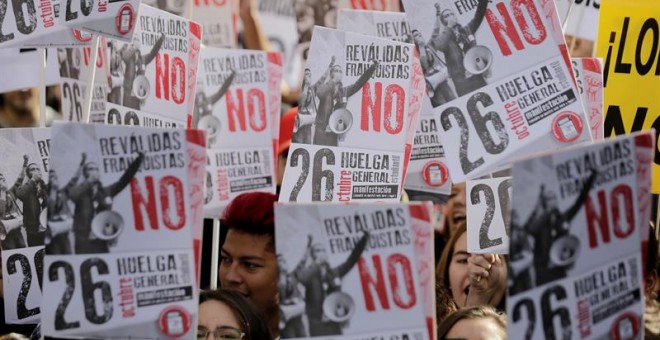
220 333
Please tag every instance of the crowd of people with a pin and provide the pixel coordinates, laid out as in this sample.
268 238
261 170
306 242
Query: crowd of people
261 296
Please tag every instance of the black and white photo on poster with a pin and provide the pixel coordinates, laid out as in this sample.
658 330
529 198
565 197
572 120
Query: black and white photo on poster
324 102
95 225
443 53
547 232
129 86
204 106
23 187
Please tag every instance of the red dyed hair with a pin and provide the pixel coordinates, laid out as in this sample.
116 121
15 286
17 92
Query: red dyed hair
251 213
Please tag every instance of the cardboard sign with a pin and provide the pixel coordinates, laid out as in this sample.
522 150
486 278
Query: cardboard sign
129 270
23 203
234 107
359 267
352 134
152 79
488 215
575 242
498 87
630 87
427 173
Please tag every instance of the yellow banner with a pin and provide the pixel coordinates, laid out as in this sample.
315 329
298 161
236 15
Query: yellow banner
629 43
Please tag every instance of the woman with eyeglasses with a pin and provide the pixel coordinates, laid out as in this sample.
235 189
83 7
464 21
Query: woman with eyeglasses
225 315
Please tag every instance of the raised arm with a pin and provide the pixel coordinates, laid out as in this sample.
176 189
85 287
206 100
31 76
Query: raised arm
225 86
478 16
579 201
351 89
352 259
154 50
254 37
125 179
21 177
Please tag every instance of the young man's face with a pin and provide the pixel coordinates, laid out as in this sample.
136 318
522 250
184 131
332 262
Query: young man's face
33 172
450 18
318 254
336 74
92 172
250 268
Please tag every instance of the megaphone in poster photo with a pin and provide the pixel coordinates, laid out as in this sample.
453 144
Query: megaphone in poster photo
107 225
478 60
340 122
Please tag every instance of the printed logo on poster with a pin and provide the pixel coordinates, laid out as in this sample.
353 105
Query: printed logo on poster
125 19
435 173
81 36
567 127
174 321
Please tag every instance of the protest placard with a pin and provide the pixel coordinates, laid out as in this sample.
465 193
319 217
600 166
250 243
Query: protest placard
352 133
153 78
359 268
218 19
499 82
234 108
129 267
575 244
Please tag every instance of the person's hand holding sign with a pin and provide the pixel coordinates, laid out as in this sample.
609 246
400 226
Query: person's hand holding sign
487 273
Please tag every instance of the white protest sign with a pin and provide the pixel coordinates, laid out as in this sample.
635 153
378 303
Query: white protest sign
130 271
575 240
153 78
500 90
488 215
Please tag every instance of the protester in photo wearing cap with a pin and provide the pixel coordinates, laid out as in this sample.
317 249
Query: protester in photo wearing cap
248 263
91 197
10 217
